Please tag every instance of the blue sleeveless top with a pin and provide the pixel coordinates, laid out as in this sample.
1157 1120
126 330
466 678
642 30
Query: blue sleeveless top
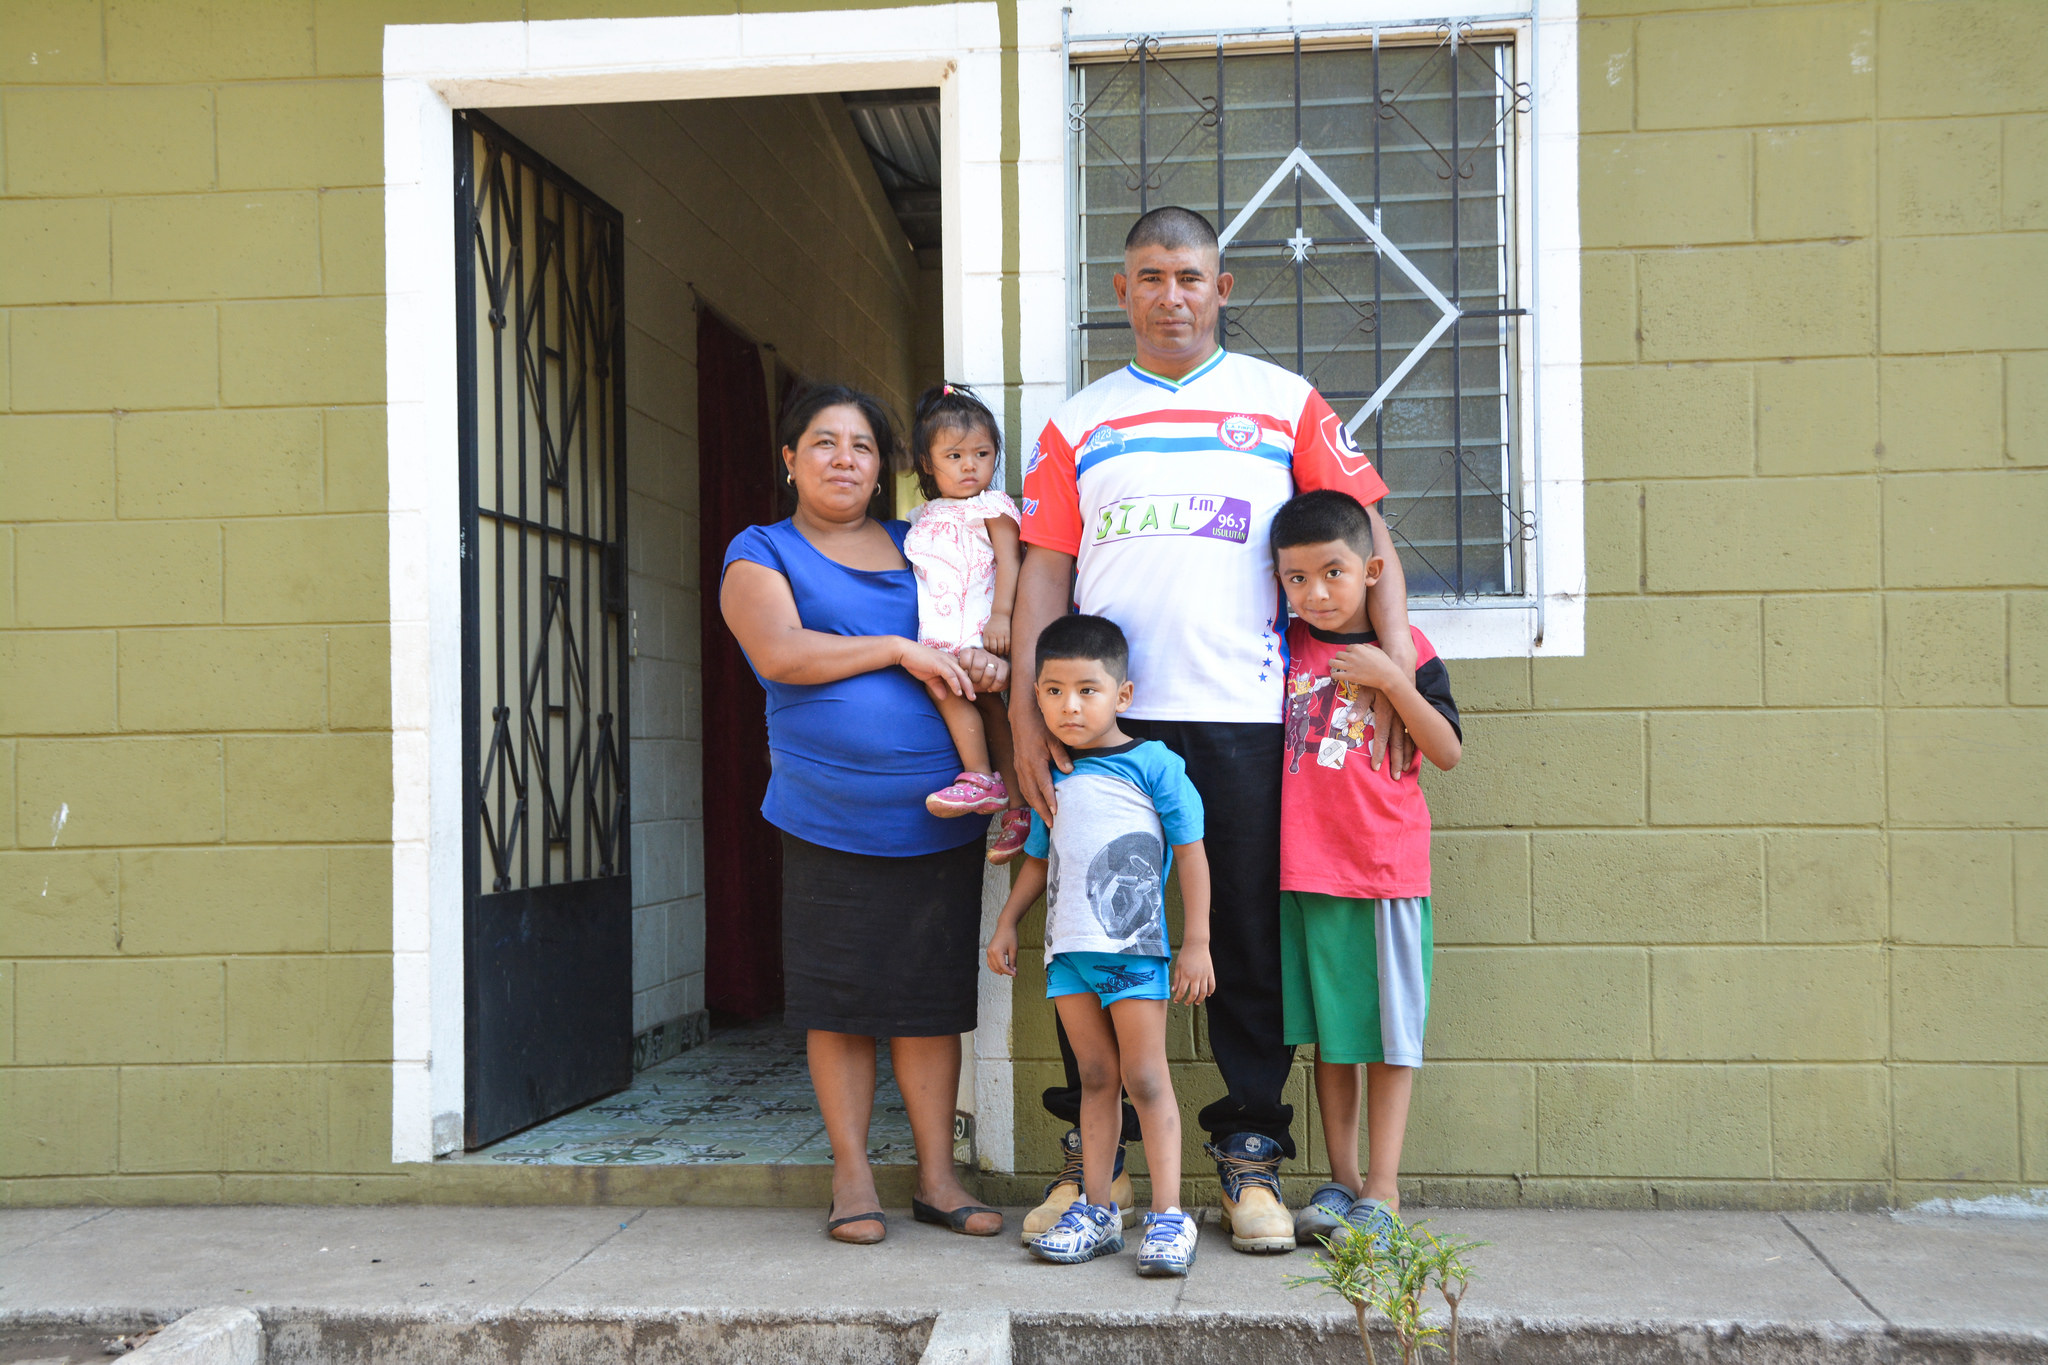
853 760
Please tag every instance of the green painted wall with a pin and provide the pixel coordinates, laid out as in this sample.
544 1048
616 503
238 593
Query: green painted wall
1750 905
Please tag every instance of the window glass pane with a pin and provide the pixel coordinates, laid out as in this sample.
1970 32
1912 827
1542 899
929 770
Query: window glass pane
1431 156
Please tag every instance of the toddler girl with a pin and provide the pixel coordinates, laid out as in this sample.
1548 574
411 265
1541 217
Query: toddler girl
963 546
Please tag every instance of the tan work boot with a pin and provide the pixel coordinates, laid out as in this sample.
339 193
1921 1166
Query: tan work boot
1248 1164
1066 1188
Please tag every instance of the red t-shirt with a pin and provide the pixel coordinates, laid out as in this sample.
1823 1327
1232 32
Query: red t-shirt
1346 830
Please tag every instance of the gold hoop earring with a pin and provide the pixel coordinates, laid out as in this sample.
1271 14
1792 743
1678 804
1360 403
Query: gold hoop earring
789 479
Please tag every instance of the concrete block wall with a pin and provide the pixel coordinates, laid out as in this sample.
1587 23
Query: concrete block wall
195 744
1814 306
1749 905
1746 906
195 880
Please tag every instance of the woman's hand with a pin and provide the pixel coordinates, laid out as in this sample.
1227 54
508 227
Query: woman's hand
1194 975
929 665
1002 951
990 671
995 636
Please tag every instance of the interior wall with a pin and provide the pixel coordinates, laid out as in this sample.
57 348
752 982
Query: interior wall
769 211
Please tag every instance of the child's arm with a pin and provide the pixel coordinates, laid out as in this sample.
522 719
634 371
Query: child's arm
1369 666
1194 974
1003 536
1024 893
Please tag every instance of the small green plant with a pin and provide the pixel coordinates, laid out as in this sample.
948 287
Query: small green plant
1392 1280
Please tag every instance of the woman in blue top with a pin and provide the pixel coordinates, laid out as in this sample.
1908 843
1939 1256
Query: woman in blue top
881 909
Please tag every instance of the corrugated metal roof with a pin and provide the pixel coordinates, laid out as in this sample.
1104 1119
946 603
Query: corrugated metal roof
900 129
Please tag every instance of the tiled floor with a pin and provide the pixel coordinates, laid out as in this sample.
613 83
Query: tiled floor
743 1097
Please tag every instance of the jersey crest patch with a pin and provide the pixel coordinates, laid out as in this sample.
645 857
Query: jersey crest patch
1105 440
1034 459
1350 458
1238 431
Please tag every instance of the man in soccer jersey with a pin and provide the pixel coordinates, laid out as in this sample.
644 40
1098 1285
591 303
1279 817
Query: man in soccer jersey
1147 500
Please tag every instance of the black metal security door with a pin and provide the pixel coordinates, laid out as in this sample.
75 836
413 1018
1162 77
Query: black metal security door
540 269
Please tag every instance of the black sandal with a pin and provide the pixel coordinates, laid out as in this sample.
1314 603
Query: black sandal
834 1223
956 1219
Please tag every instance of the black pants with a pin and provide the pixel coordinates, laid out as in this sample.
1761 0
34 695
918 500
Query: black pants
1236 768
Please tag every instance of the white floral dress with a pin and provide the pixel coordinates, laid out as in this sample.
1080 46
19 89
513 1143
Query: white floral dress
949 551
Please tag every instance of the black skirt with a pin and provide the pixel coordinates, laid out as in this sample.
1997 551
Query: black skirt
884 947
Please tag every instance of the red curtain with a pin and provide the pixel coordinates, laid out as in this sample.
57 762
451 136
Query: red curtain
737 488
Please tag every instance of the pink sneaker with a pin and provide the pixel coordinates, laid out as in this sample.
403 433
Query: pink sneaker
970 794
1016 828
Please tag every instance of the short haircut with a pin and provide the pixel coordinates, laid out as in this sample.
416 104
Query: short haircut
946 407
1176 229
814 399
1085 637
1319 517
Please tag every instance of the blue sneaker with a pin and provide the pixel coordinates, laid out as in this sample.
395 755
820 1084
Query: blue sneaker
1084 1232
1368 1218
1323 1214
1169 1245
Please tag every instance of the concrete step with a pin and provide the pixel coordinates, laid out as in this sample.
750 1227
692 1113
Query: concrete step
663 1286
983 1337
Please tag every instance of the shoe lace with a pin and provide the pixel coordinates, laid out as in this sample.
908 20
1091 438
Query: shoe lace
1076 1219
1165 1226
1070 1173
1240 1171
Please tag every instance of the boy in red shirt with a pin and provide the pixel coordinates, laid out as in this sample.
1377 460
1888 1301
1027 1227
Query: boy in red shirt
1355 936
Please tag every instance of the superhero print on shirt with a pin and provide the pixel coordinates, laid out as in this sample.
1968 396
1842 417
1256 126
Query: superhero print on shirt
1330 717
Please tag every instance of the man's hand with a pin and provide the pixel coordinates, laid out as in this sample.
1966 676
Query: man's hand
1036 751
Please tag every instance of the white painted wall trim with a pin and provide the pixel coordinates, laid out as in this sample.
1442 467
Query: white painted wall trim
429 71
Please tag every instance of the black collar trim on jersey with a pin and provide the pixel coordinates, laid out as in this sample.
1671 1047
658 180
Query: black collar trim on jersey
1110 752
1331 637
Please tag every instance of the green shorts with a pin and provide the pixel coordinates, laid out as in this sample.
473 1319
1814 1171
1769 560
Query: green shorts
1354 976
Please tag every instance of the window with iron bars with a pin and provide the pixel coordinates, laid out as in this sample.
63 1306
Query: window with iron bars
1366 196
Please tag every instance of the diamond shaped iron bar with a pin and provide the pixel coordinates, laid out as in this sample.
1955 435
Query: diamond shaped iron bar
1299 162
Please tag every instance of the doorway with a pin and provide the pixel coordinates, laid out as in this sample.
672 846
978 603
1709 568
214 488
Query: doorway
737 488
756 242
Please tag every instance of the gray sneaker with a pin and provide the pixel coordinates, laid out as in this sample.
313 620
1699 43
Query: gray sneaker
1369 1218
1323 1214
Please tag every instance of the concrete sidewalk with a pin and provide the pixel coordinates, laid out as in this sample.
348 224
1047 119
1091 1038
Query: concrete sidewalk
1978 1284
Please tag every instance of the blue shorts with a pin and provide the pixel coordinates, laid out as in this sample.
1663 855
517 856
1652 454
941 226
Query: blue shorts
1109 976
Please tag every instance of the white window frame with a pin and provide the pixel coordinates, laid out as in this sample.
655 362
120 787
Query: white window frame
432 69
1549 618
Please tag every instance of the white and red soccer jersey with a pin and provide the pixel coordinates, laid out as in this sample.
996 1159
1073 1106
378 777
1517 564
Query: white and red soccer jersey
1164 493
